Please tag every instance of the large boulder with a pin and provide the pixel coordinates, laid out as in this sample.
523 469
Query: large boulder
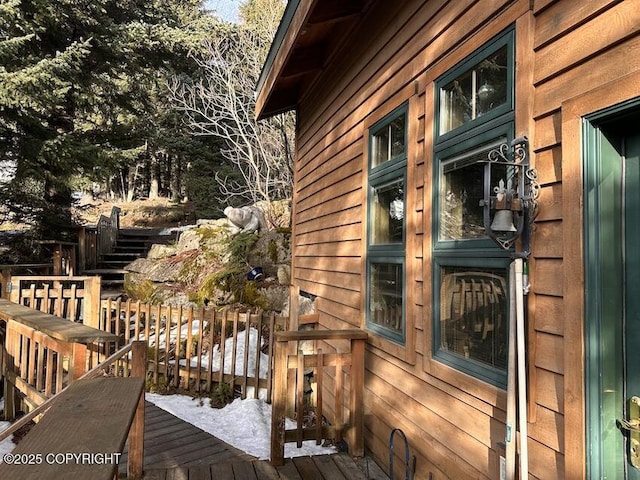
245 219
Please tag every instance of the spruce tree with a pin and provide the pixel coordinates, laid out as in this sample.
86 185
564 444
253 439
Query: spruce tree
78 91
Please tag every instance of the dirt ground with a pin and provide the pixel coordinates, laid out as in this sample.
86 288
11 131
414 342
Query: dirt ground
159 212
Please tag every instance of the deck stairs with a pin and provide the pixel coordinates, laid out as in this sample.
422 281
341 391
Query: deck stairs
132 243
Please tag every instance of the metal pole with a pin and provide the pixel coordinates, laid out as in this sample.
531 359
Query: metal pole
522 376
510 439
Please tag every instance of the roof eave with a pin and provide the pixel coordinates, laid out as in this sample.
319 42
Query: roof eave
288 32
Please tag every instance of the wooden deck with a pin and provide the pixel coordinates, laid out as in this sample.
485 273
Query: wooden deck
170 442
94 416
177 450
322 467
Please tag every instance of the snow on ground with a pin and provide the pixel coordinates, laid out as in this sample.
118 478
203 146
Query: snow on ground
184 330
245 424
6 445
228 356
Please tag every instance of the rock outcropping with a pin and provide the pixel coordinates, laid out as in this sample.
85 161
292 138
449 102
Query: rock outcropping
209 262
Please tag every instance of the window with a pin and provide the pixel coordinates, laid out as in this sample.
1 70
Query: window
476 92
470 274
386 226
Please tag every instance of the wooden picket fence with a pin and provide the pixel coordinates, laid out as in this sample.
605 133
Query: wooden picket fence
198 348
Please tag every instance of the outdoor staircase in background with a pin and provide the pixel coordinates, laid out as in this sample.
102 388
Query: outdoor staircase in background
131 243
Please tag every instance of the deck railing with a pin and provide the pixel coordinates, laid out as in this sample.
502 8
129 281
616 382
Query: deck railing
107 232
7 271
129 361
87 248
199 348
73 298
42 354
336 370
196 349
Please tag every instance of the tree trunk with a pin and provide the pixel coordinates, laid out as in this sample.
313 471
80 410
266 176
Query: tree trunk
154 174
176 179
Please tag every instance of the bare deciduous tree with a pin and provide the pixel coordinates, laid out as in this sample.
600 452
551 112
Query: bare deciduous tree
221 103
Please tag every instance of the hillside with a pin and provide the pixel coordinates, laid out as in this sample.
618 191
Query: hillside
160 212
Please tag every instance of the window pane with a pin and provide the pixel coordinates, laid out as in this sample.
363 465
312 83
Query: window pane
456 103
475 92
491 82
388 141
385 298
461 189
473 314
387 213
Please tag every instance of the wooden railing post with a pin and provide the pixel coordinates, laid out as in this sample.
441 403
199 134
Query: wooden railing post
78 363
294 307
278 405
136 434
5 280
355 435
9 389
91 302
57 259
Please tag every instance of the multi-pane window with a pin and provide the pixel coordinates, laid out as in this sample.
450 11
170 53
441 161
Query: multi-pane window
388 141
471 302
386 226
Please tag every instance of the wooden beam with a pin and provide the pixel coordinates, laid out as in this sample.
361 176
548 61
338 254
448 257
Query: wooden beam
347 334
83 433
55 327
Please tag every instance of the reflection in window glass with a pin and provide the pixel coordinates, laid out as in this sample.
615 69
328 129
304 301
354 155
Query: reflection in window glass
388 142
461 189
385 297
475 92
473 314
387 213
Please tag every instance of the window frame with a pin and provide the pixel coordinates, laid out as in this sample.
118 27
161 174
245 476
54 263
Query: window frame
504 130
507 38
383 174
481 252
475 368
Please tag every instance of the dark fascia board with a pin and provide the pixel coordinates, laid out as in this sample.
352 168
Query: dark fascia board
287 58
285 23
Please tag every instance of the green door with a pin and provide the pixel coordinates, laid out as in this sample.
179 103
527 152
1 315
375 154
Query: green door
632 290
612 249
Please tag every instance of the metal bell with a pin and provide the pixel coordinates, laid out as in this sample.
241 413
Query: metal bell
503 221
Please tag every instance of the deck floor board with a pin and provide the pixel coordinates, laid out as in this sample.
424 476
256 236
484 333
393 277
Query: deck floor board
177 450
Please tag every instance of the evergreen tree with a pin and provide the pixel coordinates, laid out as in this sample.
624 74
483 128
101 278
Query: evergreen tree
79 95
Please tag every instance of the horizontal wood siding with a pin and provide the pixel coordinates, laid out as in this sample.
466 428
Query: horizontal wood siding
455 424
578 46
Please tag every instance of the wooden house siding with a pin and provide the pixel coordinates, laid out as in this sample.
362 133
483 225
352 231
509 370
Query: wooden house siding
564 50
578 47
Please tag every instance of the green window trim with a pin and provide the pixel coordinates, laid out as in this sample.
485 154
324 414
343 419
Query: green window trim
388 321
470 274
503 132
385 295
457 359
505 39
